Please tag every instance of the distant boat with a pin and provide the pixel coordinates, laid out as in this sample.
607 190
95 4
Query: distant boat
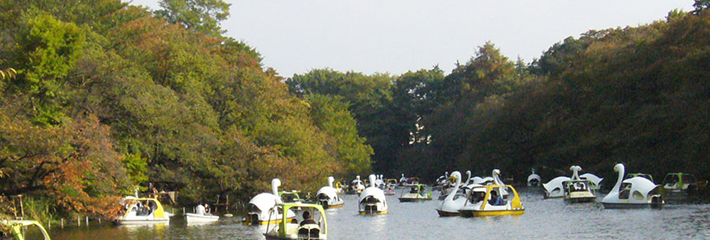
682 188
416 193
328 197
534 180
262 208
356 186
143 211
372 200
555 188
485 201
635 192
452 203
200 218
578 190
314 224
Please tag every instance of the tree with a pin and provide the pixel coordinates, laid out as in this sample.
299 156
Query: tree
202 16
331 115
701 5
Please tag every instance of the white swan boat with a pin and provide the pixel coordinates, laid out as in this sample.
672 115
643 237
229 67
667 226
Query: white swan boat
372 200
555 188
578 190
534 180
313 224
595 181
143 211
442 180
328 197
263 209
453 202
485 201
635 192
356 186
402 180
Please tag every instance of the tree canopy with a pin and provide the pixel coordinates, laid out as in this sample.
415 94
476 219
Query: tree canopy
98 97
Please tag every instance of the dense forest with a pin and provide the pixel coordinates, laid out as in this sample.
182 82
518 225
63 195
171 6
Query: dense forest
98 97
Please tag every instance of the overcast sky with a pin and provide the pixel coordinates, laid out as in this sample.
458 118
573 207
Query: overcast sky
396 36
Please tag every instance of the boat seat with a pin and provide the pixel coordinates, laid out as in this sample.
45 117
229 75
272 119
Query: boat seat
309 231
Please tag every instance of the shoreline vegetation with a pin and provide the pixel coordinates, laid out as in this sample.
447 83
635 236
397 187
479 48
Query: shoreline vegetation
99 97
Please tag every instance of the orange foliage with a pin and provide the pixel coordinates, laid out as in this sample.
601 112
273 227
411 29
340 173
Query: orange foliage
74 163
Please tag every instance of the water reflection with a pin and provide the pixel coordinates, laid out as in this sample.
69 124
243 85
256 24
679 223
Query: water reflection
548 219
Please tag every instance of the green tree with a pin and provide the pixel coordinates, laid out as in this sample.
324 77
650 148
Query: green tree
701 5
199 15
331 115
48 49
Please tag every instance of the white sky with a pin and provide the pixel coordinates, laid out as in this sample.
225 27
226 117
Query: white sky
396 36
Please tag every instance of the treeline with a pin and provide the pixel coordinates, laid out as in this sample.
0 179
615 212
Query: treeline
108 96
98 97
637 95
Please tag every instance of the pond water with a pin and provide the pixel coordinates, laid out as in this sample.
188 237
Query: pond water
543 219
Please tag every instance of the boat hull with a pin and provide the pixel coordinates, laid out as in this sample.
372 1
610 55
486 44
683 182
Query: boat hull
373 212
631 205
580 199
261 222
414 199
269 236
140 222
480 213
447 214
197 218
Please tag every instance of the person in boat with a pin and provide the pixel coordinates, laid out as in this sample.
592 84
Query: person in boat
495 200
139 208
413 190
476 197
307 218
207 209
200 209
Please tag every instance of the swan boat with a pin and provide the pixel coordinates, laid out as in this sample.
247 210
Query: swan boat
577 190
453 202
534 180
449 186
416 193
372 200
402 180
315 226
635 192
594 180
391 186
682 188
555 188
263 208
143 211
481 202
442 180
356 186
328 197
